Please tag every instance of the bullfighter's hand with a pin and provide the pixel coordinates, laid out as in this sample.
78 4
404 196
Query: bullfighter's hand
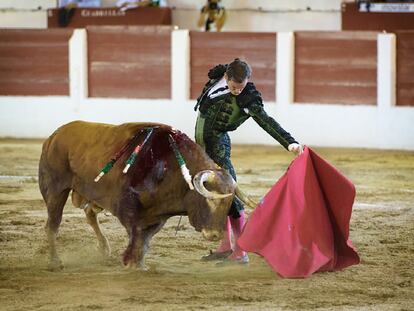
297 149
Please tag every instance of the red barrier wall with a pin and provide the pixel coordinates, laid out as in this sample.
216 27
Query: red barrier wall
129 62
34 62
405 68
336 67
211 48
135 62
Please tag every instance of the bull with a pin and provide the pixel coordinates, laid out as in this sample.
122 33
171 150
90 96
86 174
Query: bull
143 199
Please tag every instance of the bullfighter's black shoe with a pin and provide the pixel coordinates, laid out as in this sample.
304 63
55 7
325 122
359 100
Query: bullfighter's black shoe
216 255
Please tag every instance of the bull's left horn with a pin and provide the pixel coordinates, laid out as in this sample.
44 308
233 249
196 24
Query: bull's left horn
198 181
244 197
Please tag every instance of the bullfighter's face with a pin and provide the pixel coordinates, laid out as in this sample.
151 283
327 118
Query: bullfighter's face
235 88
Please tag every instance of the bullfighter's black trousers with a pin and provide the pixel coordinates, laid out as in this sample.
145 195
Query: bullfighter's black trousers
218 148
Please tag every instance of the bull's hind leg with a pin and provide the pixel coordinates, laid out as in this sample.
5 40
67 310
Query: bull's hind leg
91 212
55 204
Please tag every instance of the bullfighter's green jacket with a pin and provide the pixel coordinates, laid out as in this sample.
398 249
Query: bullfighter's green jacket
227 112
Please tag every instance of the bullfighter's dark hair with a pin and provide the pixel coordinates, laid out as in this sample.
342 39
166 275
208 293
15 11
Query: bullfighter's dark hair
238 70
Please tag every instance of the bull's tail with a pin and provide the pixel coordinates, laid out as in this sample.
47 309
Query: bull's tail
42 170
53 180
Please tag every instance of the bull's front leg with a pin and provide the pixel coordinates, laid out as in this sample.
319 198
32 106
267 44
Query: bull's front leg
147 235
130 256
139 239
129 219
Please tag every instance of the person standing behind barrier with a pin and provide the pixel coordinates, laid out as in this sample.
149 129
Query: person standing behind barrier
227 100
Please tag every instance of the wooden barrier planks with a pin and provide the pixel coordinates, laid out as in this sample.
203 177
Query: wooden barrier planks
211 48
405 68
34 62
129 62
336 67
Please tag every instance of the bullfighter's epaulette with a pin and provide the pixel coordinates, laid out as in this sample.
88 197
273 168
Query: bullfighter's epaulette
249 95
217 71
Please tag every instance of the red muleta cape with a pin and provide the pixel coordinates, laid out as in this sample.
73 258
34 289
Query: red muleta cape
302 224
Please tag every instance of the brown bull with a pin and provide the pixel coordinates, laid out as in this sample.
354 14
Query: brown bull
152 191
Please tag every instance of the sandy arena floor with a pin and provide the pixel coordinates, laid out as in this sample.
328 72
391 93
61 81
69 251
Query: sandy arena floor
382 229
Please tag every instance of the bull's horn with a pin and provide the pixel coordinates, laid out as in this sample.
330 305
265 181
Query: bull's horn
244 197
198 181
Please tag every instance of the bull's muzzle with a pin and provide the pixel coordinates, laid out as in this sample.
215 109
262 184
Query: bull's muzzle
212 235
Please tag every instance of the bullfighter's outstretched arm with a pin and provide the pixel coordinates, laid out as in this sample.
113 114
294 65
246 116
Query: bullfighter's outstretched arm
253 103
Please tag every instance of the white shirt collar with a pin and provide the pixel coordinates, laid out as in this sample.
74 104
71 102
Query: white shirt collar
221 84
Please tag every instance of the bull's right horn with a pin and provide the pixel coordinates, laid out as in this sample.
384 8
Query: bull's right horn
198 181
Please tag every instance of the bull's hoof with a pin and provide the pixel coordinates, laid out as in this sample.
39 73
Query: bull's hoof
129 259
137 266
143 268
130 265
55 265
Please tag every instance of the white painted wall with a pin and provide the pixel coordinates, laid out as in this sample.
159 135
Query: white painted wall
24 14
23 19
262 15
383 126
256 21
27 5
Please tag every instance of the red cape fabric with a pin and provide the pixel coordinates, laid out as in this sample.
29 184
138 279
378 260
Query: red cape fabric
302 224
